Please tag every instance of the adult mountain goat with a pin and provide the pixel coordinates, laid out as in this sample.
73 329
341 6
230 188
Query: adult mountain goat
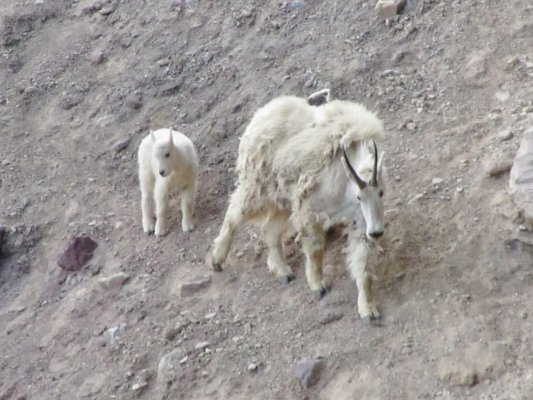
305 169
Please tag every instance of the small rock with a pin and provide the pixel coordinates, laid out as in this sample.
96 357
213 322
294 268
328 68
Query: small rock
171 332
308 370
201 345
170 88
318 98
437 181
505 135
114 281
121 145
97 57
502 96
497 167
192 287
166 370
521 177
297 5
115 333
389 8
330 317
252 367
459 375
412 126
108 9
29 92
137 387
91 9
417 197
78 252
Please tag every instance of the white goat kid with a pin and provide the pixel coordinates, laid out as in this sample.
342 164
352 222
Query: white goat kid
167 160
308 168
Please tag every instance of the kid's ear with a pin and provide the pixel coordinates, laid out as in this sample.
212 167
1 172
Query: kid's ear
170 135
152 136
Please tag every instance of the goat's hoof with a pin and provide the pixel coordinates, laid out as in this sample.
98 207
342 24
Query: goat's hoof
286 279
217 267
371 319
319 293
188 229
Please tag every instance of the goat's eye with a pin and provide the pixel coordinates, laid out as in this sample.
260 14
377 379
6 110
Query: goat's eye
381 193
167 155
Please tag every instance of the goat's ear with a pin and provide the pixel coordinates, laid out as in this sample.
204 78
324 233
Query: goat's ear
152 136
170 138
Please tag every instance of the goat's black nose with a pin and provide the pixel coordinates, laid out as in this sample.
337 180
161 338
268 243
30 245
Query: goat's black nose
162 173
376 235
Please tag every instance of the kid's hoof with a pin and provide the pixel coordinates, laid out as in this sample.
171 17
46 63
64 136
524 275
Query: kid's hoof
319 293
286 279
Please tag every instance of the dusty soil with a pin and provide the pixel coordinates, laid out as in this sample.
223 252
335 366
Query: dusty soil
452 81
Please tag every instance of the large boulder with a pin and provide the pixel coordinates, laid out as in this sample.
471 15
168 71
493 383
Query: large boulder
521 177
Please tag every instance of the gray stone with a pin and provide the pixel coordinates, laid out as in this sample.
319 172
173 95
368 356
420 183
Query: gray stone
114 281
201 345
192 287
252 367
330 317
115 333
498 164
521 177
108 9
320 97
166 370
121 145
389 8
308 370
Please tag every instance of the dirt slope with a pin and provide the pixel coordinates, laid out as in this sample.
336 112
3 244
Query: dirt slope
452 81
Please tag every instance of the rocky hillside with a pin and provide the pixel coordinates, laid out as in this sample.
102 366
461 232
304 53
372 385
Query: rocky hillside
83 81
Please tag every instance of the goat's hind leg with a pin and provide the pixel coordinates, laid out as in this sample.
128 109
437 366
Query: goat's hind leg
233 218
313 241
273 229
357 258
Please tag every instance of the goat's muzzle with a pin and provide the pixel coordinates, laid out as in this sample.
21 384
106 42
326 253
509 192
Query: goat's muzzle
376 235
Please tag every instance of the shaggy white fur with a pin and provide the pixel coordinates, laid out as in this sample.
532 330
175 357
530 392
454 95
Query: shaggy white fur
292 178
167 160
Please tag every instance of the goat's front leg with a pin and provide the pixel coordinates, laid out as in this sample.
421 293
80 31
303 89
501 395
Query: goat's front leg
161 197
313 241
188 197
147 197
357 258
